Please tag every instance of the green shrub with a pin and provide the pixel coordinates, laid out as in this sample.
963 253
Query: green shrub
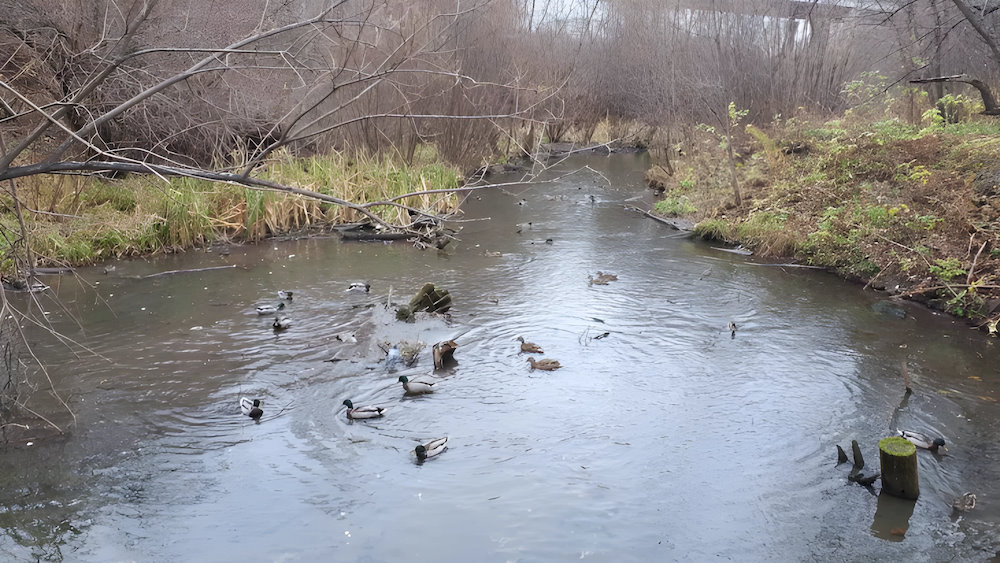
674 206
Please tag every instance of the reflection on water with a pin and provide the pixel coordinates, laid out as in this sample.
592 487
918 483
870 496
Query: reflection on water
667 439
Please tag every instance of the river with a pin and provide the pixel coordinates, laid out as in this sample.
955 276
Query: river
668 439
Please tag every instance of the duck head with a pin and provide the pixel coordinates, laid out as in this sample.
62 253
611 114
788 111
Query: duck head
347 403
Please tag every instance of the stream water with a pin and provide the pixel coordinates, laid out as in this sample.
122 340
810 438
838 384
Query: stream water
668 439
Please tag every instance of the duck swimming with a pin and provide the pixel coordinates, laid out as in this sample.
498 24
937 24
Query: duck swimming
361 287
530 347
544 364
922 440
415 387
270 309
964 503
251 408
285 294
281 323
431 449
356 413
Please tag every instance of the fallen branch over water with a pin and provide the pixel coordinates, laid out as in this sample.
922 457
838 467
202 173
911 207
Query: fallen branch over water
172 272
789 265
950 287
676 224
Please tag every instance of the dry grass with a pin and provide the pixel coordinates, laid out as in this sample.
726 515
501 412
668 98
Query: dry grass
96 219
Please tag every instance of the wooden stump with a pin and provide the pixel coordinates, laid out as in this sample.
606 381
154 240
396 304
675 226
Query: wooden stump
431 299
898 457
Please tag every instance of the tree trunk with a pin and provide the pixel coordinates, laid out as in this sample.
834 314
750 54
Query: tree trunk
977 25
898 458
989 102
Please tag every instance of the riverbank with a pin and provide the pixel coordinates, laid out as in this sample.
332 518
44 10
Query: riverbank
910 210
74 220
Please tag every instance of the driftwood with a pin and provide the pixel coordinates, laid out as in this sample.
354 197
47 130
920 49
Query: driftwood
676 223
859 460
172 272
989 102
372 235
444 352
789 265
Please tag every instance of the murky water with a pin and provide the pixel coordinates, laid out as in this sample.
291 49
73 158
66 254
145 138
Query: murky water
666 440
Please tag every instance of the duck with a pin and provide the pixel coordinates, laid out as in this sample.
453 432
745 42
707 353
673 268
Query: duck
544 364
269 309
416 387
732 328
530 347
37 287
347 337
431 449
281 323
964 503
285 294
355 413
602 278
251 408
361 287
442 352
922 440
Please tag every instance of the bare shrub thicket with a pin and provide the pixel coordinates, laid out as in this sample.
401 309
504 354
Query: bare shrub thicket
934 38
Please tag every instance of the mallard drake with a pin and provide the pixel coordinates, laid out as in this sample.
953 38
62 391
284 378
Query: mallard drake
281 323
442 352
251 408
544 364
270 309
360 287
732 328
347 337
285 294
530 347
416 387
362 412
964 503
431 449
922 440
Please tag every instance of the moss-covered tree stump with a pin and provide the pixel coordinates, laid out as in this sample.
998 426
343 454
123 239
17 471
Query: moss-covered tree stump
429 298
898 458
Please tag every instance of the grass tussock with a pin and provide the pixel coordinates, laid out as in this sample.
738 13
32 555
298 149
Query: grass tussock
80 221
911 207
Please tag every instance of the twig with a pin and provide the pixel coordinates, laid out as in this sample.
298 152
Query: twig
171 272
875 277
972 270
39 415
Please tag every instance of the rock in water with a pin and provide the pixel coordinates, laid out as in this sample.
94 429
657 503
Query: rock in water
889 309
